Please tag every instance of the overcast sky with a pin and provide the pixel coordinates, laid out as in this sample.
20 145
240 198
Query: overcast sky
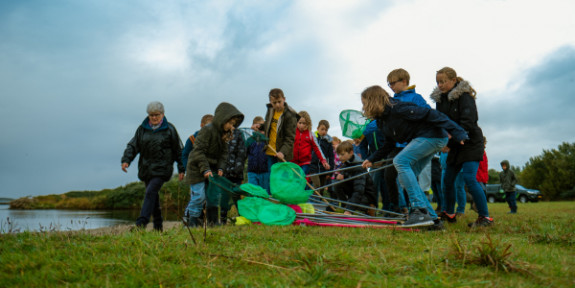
76 76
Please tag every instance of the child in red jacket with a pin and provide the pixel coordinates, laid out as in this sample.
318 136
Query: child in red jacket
304 143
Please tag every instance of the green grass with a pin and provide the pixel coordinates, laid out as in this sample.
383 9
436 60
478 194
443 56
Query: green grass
535 248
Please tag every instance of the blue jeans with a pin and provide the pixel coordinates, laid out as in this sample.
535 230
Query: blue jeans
151 205
260 179
197 199
469 172
410 162
460 194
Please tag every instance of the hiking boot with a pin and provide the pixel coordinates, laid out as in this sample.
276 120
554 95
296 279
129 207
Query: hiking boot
371 212
437 225
482 221
450 218
418 217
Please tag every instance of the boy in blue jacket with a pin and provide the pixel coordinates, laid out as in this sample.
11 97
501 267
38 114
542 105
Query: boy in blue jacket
398 81
206 119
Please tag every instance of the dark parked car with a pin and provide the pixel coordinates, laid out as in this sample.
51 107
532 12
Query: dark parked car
524 195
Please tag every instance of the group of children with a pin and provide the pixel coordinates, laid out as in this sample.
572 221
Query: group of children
402 127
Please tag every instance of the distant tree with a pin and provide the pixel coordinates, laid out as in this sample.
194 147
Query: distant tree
553 172
493 176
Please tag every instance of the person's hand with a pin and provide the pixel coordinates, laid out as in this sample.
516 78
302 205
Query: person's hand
280 155
325 165
339 177
125 167
445 149
181 176
208 174
462 142
220 172
366 164
346 213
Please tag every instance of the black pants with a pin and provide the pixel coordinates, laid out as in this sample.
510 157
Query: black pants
151 206
391 182
511 201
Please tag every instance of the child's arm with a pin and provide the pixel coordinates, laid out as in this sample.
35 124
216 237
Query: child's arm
317 150
198 155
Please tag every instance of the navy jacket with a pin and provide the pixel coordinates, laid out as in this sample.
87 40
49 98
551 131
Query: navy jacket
372 141
401 122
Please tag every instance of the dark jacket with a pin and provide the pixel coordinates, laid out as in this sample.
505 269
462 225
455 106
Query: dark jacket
286 126
188 147
507 178
210 150
372 141
158 150
359 190
257 159
236 156
401 122
327 149
459 106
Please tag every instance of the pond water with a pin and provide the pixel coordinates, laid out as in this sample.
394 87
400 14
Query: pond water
60 220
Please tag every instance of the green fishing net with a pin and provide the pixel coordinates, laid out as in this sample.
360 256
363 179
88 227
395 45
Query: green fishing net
259 210
249 207
287 183
255 190
218 192
352 123
276 214
252 136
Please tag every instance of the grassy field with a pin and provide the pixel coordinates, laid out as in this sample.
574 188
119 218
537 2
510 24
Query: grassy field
535 248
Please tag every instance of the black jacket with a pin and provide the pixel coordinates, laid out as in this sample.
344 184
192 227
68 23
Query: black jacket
237 155
359 190
459 106
327 149
402 122
158 150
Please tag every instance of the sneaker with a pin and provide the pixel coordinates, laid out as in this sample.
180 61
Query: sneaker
459 215
437 225
450 218
511 212
418 217
482 221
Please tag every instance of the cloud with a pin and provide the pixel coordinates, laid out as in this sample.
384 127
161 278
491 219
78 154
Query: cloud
535 112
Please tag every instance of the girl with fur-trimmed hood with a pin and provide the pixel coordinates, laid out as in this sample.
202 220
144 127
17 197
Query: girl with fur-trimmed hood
456 98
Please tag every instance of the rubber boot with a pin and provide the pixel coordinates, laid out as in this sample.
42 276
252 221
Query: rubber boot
193 222
223 217
212 213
